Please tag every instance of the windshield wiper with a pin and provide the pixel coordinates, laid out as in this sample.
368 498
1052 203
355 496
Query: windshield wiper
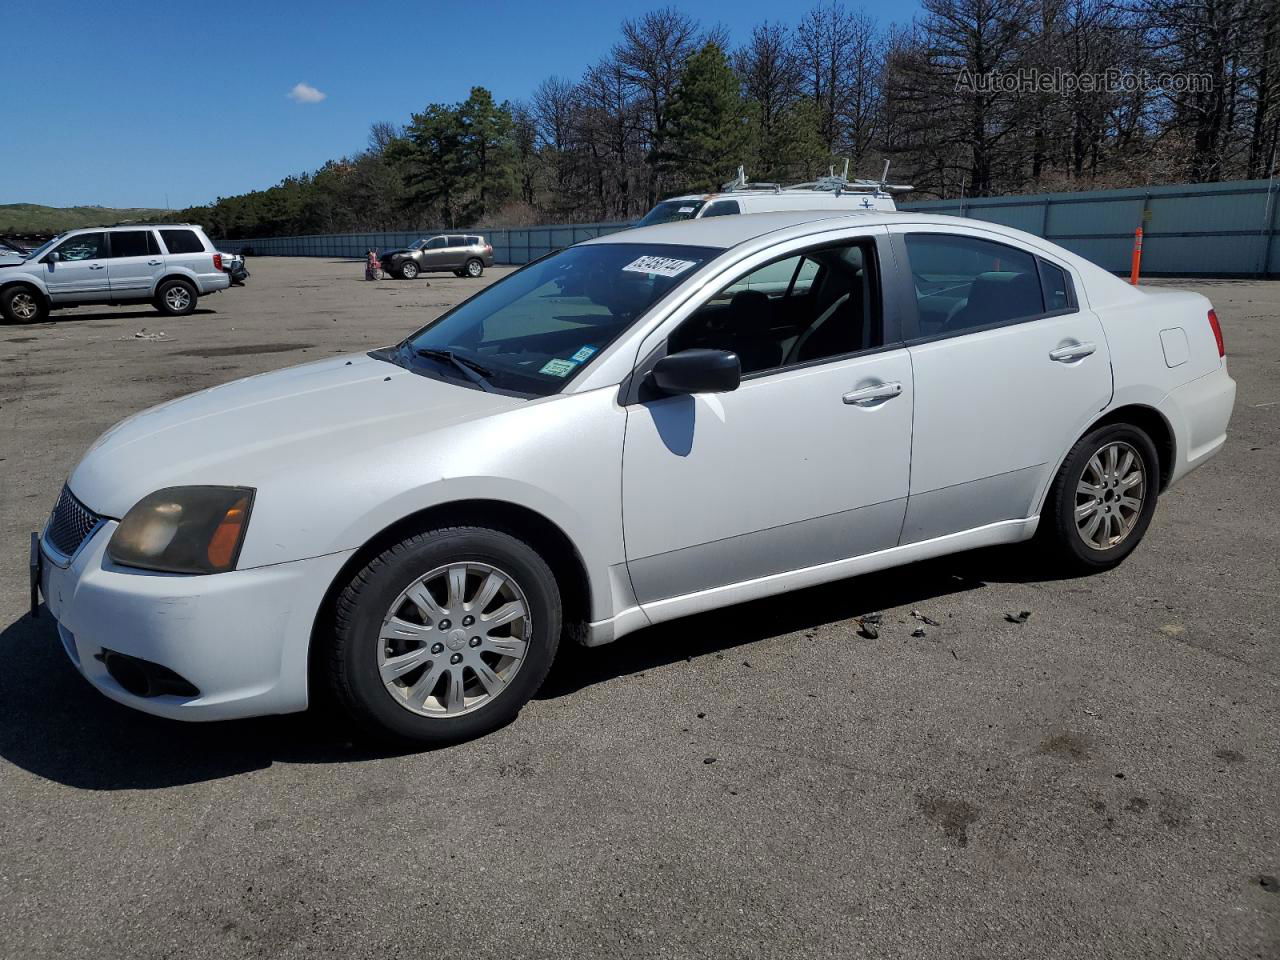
477 373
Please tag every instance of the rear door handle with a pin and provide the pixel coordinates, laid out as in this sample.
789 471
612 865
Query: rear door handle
154 263
876 393
1072 352
97 266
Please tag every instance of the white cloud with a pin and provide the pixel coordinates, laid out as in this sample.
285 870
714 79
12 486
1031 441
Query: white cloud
305 93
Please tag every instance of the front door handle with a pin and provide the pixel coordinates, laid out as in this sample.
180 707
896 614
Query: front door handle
154 263
876 393
1072 352
97 266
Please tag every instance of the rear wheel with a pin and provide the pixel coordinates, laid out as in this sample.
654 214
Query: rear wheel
176 298
473 268
409 270
1103 498
445 636
23 305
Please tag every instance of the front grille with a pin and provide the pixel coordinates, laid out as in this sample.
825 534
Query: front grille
71 522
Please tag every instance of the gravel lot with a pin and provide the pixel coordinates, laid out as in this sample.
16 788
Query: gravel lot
1098 781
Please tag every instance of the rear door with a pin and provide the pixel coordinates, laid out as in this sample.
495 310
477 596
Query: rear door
80 272
457 252
135 263
1009 370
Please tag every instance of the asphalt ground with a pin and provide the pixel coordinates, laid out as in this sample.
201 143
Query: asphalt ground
1100 780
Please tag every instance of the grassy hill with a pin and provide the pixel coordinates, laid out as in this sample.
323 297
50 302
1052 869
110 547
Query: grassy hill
37 218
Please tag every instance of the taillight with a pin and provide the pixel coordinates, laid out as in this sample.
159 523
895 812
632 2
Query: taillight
217 261
1217 333
488 248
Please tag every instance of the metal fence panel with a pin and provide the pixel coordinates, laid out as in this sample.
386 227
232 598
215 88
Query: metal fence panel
1207 229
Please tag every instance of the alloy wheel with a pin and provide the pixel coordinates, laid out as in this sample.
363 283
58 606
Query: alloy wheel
177 297
1109 495
24 306
473 268
454 639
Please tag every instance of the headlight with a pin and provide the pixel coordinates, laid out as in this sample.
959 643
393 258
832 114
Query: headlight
184 530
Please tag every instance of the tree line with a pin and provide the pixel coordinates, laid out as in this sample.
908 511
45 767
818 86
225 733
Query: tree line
971 98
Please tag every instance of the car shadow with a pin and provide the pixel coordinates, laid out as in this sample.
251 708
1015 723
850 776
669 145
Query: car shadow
61 316
54 725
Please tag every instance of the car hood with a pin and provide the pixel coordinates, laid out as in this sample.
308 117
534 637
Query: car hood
398 252
11 259
297 420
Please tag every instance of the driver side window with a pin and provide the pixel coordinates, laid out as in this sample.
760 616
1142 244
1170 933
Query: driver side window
86 246
436 243
811 306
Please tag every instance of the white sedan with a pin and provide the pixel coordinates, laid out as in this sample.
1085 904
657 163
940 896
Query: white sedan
648 425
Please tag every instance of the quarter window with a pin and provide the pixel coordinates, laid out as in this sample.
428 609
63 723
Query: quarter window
84 246
1058 294
134 243
963 283
182 241
813 306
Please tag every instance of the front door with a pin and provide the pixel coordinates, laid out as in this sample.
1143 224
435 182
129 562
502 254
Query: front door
80 271
806 463
435 254
135 264
1009 371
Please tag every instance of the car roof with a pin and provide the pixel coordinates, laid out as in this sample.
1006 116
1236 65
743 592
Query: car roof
136 226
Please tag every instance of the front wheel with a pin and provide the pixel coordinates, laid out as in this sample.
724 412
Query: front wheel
409 270
445 636
176 298
474 268
23 305
1103 498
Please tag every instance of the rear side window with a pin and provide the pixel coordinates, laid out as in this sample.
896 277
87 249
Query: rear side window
457 241
722 208
182 241
963 283
134 243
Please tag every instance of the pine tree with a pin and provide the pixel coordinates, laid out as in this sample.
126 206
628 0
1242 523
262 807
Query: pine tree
708 122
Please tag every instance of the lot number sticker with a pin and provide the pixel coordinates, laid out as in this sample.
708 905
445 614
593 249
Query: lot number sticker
662 266
558 368
583 355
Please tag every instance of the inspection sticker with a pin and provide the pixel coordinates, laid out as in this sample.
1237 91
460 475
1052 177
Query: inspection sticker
558 368
662 266
687 209
583 355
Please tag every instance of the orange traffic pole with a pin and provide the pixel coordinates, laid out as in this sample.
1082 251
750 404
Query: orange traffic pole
1137 257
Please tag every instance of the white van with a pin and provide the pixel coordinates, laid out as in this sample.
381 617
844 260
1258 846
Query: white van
828 193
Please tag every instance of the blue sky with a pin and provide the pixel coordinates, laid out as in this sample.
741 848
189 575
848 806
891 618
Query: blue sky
127 102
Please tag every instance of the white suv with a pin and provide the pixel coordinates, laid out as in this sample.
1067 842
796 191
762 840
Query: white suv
169 265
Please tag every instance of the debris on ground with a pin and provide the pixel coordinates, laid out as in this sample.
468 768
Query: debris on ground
709 760
869 625
143 335
926 620
918 632
1022 617
1269 883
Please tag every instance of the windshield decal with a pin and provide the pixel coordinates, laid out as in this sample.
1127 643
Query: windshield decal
583 355
558 368
661 266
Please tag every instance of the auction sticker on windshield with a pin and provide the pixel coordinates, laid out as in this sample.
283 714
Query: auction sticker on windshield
558 368
662 266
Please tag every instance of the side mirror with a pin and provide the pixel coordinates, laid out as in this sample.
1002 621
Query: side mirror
53 257
697 371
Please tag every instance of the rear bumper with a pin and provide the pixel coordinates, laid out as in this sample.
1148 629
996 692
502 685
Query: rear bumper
1199 412
210 282
241 638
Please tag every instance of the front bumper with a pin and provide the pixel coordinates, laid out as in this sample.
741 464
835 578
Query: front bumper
241 638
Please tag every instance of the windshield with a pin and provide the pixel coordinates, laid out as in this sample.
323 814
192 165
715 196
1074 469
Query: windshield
670 210
418 244
534 330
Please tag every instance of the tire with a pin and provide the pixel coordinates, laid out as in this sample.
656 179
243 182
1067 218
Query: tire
409 270
473 268
1101 538
175 298
22 304
391 675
